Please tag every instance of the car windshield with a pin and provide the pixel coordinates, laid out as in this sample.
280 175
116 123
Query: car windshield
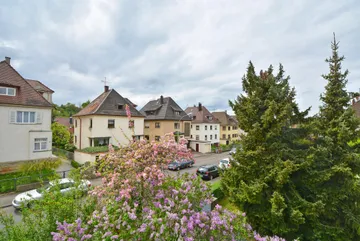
224 161
203 169
43 188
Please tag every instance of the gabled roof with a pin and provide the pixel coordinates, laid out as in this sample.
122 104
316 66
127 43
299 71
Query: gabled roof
108 104
135 105
225 119
164 108
25 93
38 86
201 115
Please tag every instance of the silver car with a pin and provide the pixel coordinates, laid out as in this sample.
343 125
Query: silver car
232 151
65 185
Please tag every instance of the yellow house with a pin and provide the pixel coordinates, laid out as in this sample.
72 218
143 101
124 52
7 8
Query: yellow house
163 116
229 130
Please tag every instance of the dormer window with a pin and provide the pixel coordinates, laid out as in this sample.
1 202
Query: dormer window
120 107
177 112
210 117
7 91
150 112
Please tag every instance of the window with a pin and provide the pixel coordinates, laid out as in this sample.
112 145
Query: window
90 123
228 136
211 127
191 136
7 91
131 123
27 117
75 139
224 128
147 125
147 137
101 141
206 127
157 124
197 137
210 117
120 107
205 137
111 123
177 112
40 144
157 138
176 125
215 136
224 136
197 127
234 127
215 127
191 126
210 137
75 123
91 141
150 112
229 128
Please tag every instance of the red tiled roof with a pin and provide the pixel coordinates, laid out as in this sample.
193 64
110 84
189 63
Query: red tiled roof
38 86
201 115
63 121
225 119
94 105
25 93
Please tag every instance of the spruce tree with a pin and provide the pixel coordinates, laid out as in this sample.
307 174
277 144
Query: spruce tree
335 165
267 176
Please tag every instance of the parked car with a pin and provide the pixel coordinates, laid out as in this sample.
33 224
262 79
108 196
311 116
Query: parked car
208 172
224 163
177 165
65 186
232 151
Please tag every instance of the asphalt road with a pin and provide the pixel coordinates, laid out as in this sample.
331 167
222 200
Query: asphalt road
205 159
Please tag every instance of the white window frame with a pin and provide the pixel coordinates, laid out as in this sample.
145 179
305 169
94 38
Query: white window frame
7 91
27 114
42 144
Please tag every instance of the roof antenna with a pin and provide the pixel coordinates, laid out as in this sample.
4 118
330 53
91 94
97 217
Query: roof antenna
106 84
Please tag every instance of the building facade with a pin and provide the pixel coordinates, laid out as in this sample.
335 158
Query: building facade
164 116
229 130
104 121
25 123
205 129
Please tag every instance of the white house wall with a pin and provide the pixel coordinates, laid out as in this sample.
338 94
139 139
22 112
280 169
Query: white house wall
202 132
17 140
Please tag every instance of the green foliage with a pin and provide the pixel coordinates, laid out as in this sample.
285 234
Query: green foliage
97 149
75 164
86 103
60 135
39 165
266 184
40 220
334 163
66 110
9 182
70 147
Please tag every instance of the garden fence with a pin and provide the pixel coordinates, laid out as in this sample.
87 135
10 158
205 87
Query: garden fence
10 185
63 153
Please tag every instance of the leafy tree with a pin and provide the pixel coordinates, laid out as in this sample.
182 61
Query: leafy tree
266 180
60 135
86 103
335 165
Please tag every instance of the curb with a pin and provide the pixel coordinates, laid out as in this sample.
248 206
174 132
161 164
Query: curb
5 206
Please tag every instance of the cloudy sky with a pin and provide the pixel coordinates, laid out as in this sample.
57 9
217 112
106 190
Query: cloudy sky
194 51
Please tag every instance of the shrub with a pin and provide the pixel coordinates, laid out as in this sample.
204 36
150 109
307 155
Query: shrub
98 149
75 164
39 165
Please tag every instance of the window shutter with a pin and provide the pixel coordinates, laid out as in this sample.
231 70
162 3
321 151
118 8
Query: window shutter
12 116
38 117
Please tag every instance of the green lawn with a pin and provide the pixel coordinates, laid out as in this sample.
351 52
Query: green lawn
215 185
224 201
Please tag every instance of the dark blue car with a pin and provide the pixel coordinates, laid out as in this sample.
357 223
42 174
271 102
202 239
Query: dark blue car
181 164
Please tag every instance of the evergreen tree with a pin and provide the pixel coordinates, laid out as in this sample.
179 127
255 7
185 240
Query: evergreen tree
335 165
266 180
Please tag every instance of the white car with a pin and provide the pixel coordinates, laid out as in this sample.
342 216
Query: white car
224 163
232 151
65 186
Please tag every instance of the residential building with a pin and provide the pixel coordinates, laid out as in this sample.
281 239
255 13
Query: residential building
65 121
229 130
25 123
205 129
163 116
104 121
45 91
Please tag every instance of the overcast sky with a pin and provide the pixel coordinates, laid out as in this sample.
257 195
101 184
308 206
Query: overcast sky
194 51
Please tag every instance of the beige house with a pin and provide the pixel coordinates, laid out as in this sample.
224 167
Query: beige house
163 116
104 121
229 130
25 123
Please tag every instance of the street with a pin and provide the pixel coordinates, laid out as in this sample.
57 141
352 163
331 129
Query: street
205 159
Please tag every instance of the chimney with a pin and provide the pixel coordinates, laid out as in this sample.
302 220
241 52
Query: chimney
200 107
7 59
106 88
161 100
